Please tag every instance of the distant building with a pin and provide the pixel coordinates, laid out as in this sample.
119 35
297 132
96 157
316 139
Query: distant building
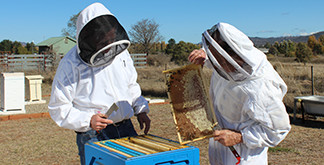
56 45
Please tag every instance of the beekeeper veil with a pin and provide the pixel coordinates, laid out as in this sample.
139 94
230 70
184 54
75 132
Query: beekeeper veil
100 37
231 52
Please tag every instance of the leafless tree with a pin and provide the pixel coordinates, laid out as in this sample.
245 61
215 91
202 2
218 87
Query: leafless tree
71 27
145 32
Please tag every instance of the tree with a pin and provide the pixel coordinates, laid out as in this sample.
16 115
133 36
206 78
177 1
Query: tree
5 45
182 51
163 46
31 48
170 47
171 42
291 46
71 27
315 45
136 48
15 47
318 48
283 47
273 50
277 45
321 42
267 45
22 50
303 52
9 47
145 32
321 39
311 41
291 49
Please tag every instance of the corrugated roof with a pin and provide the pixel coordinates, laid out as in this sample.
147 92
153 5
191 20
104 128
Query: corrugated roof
52 41
59 45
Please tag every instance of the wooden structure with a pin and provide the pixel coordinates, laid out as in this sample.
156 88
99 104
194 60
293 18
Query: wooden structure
140 60
191 108
43 62
56 45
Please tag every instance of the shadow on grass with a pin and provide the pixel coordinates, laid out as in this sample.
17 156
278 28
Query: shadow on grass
310 122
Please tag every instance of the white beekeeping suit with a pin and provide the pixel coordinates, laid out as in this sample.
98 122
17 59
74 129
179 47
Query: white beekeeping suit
96 73
247 96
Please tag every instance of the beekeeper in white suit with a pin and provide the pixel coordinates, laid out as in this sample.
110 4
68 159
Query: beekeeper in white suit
246 94
94 75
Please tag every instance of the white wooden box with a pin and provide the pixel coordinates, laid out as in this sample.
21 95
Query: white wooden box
34 87
12 93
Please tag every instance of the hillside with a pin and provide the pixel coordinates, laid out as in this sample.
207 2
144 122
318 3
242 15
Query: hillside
262 41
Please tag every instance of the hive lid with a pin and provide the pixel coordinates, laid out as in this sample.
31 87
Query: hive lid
30 77
12 74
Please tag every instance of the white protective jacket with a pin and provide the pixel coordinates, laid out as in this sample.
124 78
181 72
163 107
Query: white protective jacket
83 87
252 106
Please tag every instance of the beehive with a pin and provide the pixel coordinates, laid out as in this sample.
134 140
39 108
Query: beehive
138 150
12 93
191 107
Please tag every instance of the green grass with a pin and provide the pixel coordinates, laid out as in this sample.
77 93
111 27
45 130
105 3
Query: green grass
280 149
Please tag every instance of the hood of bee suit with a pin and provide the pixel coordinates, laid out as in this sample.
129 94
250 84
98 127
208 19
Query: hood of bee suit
236 48
100 37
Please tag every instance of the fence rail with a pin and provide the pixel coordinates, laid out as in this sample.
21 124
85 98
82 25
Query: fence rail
140 60
22 62
41 62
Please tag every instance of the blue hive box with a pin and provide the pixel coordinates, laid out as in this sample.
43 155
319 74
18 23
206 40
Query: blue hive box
141 150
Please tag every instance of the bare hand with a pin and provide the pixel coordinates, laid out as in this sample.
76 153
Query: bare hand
99 122
142 119
197 56
228 137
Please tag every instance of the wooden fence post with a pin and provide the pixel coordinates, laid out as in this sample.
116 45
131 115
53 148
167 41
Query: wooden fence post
312 74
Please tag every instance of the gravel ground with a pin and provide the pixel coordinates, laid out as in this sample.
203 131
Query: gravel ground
37 108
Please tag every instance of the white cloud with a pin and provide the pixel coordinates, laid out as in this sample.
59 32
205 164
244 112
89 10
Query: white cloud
306 34
313 32
303 34
287 35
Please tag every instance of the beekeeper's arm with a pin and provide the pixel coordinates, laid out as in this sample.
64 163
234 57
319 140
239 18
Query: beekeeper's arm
268 126
270 121
62 110
139 103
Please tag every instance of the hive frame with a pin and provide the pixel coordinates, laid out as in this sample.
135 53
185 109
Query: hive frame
197 70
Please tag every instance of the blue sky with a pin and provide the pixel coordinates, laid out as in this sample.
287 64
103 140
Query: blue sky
182 20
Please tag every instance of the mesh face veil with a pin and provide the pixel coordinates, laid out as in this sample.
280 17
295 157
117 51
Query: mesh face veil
101 40
224 59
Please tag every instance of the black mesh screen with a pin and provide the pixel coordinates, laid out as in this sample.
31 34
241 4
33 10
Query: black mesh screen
99 33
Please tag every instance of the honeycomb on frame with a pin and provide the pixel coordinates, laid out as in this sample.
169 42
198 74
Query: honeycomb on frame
190 102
